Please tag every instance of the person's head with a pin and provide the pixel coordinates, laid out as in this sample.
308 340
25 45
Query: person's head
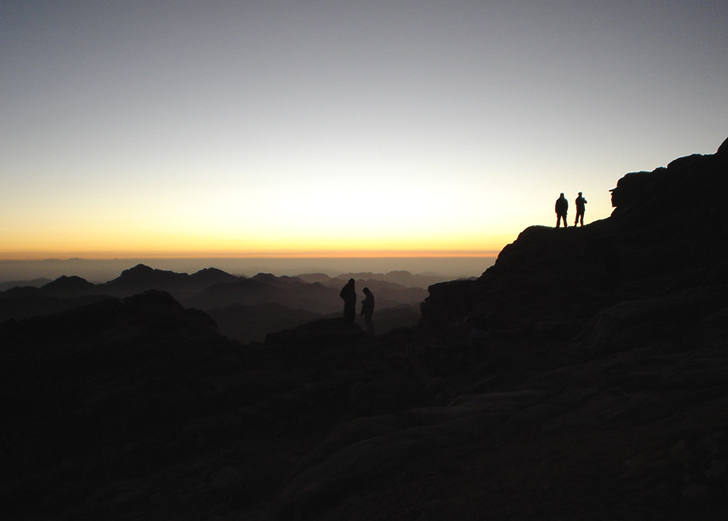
366 291
579 194
351 281
562 194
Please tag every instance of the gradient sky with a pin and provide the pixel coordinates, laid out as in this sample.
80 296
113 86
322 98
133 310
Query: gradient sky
142 128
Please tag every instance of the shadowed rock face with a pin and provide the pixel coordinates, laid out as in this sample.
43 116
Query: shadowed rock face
599 393
668 233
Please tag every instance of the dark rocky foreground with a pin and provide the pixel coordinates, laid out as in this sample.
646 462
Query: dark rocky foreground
602 392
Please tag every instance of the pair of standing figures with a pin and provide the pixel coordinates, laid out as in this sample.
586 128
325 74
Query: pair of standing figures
562 207
348 294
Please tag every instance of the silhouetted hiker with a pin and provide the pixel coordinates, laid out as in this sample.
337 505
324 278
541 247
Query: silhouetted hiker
367 310
580 209
348 293
562 206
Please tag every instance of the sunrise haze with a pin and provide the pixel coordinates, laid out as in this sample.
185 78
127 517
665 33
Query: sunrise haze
324 129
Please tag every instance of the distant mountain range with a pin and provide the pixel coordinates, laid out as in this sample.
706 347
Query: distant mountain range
246 308
402 278
35 283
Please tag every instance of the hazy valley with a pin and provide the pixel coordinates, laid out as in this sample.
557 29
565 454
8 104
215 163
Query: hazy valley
245 308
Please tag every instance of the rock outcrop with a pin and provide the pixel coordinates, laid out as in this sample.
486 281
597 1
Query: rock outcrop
668 233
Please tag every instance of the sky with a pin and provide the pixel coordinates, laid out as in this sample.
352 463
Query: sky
334 128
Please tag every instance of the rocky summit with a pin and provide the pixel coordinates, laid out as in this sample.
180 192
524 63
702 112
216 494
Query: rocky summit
583 376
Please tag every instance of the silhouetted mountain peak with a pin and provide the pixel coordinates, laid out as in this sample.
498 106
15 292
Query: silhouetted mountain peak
65 281
265 277
210 276
139 272
141 278
66 286
139 268
211 272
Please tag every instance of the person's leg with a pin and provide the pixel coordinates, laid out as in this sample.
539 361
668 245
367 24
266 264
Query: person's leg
370 325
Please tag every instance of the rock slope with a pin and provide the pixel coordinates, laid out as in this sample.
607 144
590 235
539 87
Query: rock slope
604 395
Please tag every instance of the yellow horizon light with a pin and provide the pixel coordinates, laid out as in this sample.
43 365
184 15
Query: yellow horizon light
158 244
186 254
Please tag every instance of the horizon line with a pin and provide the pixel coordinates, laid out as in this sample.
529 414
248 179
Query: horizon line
190 256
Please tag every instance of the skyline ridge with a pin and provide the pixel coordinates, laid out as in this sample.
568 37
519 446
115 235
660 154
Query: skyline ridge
103 270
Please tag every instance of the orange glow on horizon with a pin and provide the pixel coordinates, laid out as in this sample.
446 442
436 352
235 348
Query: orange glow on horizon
43 255
123 244
117 243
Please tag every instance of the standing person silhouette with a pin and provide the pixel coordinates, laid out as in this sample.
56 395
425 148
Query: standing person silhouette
367 310
348 293
562 206
580 209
